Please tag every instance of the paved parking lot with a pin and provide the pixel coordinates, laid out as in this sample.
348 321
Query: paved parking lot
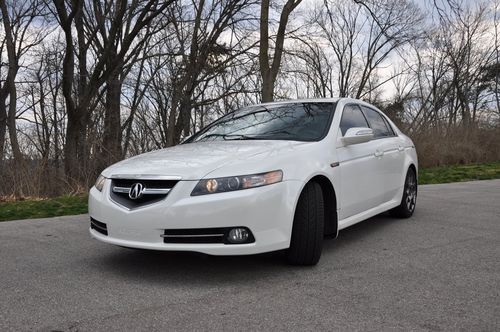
439 270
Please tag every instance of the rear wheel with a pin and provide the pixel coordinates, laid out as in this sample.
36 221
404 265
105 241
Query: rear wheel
308 227
409 200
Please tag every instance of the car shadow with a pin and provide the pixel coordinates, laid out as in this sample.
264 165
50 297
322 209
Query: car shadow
190 267
197 268
364 229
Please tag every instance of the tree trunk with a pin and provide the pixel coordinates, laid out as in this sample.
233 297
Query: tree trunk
3 130
55 125
74 150
269 71
183 122
71 164
10 85
11 123
267 92
112 149
170 130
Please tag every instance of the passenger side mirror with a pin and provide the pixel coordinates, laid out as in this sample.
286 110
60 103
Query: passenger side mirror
357 135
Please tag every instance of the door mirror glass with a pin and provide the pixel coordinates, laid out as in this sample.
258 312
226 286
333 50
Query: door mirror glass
357 135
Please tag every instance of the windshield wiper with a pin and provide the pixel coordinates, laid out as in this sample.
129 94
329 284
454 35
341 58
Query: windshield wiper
230 137
272 135
211 135
235 137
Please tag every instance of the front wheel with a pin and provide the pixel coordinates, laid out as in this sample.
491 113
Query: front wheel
308 227
409 200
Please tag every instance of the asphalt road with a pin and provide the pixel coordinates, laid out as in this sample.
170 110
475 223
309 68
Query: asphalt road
439 270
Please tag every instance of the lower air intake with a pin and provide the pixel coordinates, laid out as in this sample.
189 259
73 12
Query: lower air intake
203 235
99 226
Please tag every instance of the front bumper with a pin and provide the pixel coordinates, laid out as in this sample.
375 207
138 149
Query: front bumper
267 211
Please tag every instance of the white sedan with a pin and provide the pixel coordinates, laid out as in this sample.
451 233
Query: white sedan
267 177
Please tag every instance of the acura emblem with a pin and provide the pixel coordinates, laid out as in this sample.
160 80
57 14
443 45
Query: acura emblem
136 191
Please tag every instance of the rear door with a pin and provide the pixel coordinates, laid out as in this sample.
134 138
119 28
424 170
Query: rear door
360 179
389 152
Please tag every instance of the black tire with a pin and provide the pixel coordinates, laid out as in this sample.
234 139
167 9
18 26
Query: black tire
308 227
409 200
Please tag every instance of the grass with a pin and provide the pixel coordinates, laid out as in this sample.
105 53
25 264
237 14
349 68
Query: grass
71 205
44 208
459 173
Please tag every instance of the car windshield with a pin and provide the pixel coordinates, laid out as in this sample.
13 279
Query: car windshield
288 121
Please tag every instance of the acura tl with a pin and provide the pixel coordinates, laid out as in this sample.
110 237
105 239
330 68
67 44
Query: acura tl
274 176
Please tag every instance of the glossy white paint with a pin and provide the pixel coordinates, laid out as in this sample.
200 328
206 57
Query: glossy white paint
368 180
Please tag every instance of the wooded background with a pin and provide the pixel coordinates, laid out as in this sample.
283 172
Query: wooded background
85 83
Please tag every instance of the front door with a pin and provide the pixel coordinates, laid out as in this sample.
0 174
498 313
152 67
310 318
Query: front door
361 180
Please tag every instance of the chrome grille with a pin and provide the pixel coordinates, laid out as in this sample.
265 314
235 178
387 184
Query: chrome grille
146 191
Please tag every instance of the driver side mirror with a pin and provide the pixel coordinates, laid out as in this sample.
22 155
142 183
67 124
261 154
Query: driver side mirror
357 135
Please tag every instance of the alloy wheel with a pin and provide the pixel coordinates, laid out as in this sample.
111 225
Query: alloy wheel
411 191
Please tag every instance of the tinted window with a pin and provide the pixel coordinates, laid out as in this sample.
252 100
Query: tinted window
377 123
391 130
351 118
288 121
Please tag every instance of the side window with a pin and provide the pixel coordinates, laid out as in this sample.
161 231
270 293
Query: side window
391 130
377 123
351 118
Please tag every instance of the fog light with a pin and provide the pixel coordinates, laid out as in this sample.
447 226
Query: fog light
238 235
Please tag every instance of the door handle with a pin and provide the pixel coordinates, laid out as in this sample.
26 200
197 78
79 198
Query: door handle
379 153
334 164
401 149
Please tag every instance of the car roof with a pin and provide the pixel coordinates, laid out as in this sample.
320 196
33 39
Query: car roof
316 100
308 100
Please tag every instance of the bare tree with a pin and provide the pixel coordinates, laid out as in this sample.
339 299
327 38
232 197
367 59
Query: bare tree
17 19
269 69
84 83
362 36
122 23
203 56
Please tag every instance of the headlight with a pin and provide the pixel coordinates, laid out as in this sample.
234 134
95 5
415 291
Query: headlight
99 183
232 183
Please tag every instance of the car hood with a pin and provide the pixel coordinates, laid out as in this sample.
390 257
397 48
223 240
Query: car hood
193 161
